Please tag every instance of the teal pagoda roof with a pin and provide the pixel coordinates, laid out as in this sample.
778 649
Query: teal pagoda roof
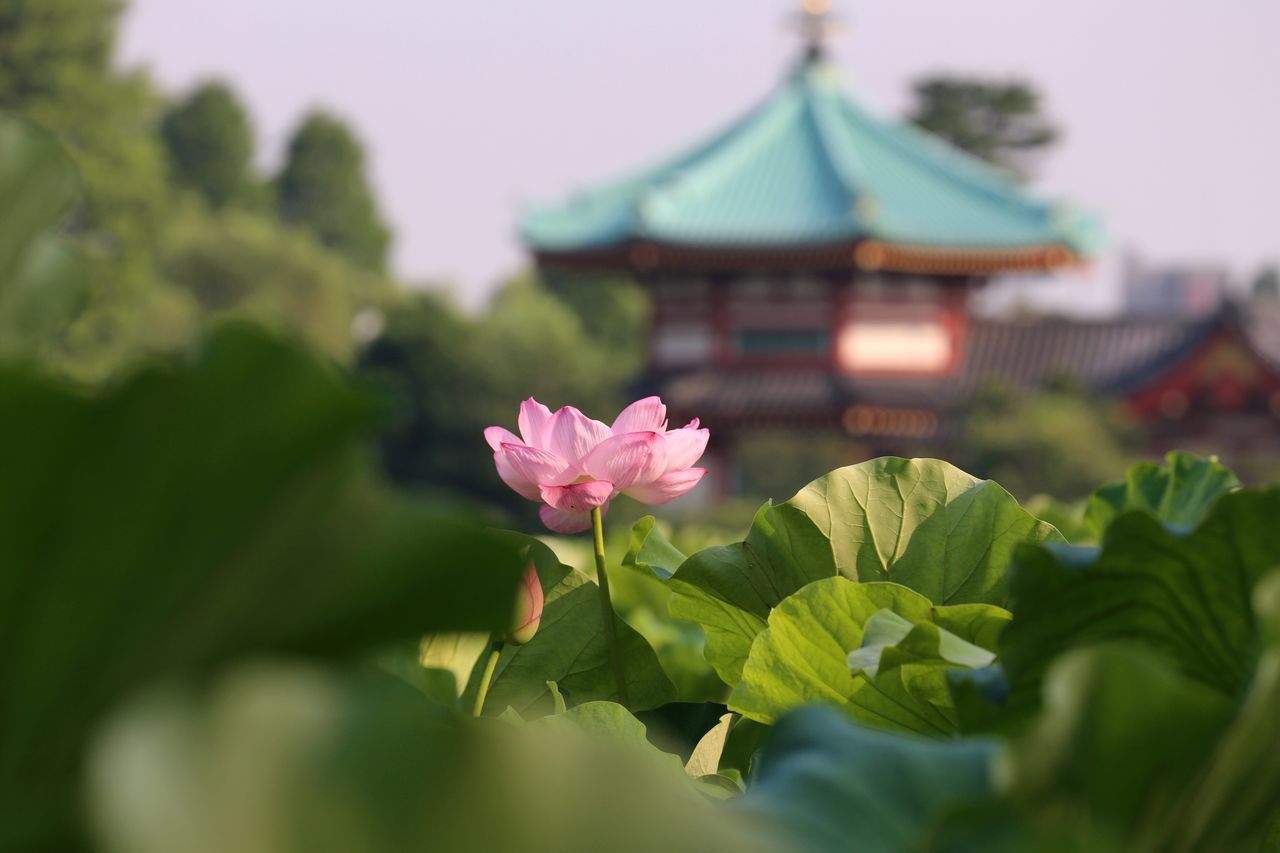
810 178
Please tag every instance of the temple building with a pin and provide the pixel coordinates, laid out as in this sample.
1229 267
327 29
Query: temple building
812 267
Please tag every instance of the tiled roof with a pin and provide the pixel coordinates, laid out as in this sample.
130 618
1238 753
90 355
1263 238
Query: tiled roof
1114 357
1109 357
809 167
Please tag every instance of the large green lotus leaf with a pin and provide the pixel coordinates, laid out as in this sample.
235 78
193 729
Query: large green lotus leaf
649 550
1121 737
440 684
890 641
705 758
608 719
1066 516
730 589
1179 492
1236 803
1130 753
447 654
287 758
1184 594
192 515
641 581
834 786
616 725
742 745
570 650
775 560
815 649
1110 764
1127 754
921 523
728 629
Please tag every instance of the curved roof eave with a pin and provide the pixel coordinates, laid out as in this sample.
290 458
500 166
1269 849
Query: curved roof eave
809 167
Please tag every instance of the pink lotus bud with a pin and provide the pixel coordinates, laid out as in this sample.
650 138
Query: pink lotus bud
528 608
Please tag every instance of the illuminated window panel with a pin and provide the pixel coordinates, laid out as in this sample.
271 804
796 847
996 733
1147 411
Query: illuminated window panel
871 346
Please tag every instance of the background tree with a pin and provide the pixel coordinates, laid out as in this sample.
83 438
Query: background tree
614 313
998 121
42 281
1058 441
323 187
56 71
210 143
448 375
244 265
50 46
158 266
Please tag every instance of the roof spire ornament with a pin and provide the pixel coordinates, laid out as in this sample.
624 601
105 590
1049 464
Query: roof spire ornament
816 26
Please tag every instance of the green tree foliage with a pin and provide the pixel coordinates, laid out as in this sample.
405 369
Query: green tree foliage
998 121
243 265
48 44
449 375
614 312
210 143
323 187
774 463
158 268
56 70
42 280
1059 442
421 363
534 343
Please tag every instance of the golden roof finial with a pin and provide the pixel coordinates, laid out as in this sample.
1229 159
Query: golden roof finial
816 26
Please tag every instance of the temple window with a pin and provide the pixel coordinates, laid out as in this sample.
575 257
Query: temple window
678 291
921 289
873 286
753 288
781 342
682 344
803 287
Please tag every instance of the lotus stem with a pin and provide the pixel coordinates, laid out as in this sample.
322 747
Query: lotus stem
606 609
495 651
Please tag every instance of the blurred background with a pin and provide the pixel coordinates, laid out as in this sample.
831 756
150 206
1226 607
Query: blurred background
724 203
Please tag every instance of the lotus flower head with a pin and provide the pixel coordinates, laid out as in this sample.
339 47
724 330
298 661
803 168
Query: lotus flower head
573 464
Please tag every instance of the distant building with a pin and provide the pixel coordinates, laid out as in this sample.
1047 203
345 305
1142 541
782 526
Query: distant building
1173 291
811 266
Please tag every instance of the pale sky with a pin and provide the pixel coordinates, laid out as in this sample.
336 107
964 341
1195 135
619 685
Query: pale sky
471 109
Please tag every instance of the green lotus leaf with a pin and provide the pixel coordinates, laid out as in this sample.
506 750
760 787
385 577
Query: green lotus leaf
878 651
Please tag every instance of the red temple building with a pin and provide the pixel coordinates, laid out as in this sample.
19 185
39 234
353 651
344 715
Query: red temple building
811 267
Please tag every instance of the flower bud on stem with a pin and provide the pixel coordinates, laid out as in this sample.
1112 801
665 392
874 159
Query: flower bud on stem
606 609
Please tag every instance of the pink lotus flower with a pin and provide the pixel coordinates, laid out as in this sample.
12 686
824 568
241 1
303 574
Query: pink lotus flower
573 464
